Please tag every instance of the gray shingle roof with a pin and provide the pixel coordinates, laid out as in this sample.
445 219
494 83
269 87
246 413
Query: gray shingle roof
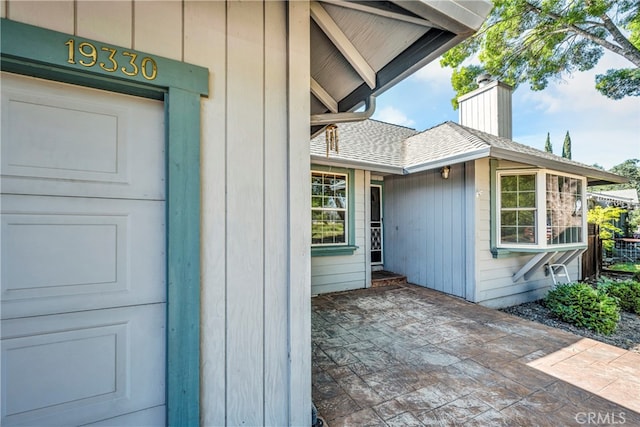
383 146
369 141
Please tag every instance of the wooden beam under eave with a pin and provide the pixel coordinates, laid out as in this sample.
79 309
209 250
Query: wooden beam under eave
386 13
344 45
323 96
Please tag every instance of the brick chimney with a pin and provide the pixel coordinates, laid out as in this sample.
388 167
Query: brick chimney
487 108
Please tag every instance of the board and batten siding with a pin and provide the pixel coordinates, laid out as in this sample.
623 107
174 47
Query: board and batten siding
426 229
488 108
494 276
255 201
337 273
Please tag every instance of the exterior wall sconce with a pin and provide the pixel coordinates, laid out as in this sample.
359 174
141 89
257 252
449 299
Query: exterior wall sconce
444 172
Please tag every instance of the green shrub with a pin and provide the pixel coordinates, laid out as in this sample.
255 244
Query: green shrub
626 291
585 306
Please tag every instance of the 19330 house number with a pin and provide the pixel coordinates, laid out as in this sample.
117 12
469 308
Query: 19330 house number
91 55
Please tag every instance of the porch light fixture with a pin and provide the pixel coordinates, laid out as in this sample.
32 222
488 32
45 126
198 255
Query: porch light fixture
444 172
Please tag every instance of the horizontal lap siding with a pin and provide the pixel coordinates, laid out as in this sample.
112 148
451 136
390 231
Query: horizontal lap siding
335 273
494 284
247 208
425 232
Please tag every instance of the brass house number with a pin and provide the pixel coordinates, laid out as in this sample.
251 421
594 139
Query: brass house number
110 60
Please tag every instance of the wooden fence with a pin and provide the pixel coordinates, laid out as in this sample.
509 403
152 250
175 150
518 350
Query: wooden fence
592 257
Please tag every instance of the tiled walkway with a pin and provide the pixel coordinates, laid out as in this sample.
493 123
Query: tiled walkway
409 356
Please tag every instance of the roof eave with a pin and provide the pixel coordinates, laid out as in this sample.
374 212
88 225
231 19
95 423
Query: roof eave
447 161
594 177
459 16
356 164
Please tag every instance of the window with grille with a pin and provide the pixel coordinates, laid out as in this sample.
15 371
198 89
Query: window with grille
329 208
539 209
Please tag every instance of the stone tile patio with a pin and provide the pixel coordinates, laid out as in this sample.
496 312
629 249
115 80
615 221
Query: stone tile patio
410 356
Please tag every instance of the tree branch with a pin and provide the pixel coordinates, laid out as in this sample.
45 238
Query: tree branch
634 54
631 55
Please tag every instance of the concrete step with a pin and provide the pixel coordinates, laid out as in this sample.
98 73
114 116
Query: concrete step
386 278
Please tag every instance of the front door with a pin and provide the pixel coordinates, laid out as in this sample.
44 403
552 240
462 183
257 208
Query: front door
376 226
83 256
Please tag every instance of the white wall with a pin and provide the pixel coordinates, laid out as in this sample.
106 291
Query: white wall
255 196
488 109
494 283
339 273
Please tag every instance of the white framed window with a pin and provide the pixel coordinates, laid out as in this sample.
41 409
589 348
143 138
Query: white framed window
329 208
539 209
565 209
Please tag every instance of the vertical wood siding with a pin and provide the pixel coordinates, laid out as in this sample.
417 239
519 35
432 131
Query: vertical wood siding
245 224
52 15
299 214
337 273
205 25
255 348
106 21
275 222
488 110
425 232
161 36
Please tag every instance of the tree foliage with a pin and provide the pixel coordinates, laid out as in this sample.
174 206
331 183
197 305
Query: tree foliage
606 219
535 40
547 145
566 147
630 169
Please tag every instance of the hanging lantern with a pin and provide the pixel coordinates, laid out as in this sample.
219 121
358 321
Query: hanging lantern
331 136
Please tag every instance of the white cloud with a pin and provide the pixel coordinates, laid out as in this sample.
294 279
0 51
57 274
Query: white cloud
602 130
433 74
577 92
390 114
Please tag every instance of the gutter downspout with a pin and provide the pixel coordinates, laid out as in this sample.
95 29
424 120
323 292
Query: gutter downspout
333 118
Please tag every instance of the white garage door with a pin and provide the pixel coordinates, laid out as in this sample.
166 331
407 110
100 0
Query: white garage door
83 256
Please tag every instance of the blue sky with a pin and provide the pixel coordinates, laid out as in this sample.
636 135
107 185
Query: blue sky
602 131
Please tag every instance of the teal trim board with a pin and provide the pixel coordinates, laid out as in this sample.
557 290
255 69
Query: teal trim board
52 55
183 257
41 48
493 167
333 250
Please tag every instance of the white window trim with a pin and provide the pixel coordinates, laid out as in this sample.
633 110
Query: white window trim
541 210
346 209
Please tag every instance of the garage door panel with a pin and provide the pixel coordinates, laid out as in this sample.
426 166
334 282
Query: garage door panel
35 266
82 367
68 254
152 417
59 139
83 270
51 140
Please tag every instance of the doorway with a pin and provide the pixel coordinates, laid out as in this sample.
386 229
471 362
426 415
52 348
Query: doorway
376 226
